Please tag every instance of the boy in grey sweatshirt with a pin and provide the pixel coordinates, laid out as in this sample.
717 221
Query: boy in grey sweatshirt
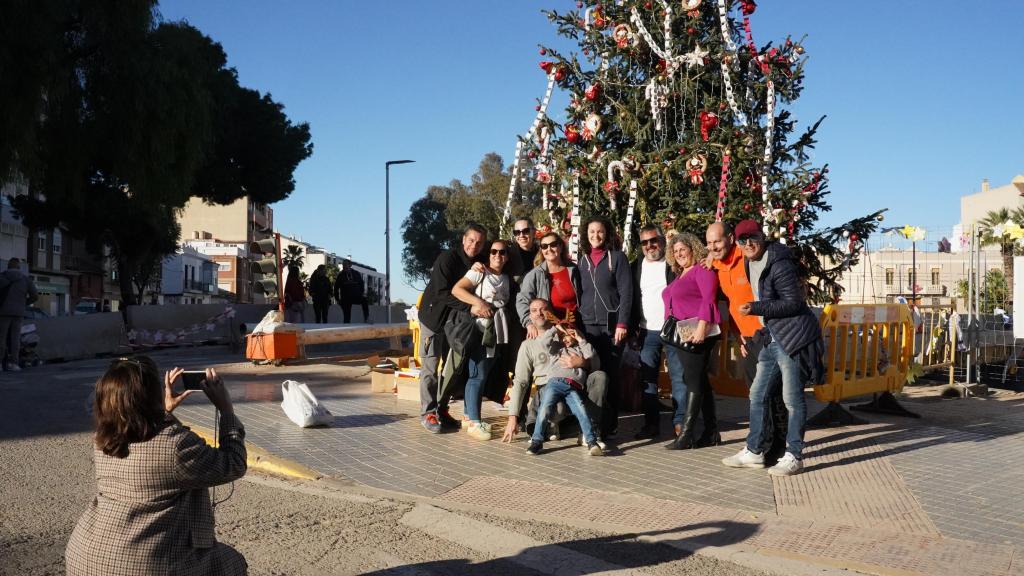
564 382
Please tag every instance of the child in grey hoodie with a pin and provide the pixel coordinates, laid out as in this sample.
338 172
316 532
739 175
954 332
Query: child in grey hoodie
568 353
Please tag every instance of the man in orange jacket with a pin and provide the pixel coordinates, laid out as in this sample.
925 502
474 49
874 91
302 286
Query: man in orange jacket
733 279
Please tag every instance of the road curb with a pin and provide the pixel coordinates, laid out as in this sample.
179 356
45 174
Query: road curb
257 458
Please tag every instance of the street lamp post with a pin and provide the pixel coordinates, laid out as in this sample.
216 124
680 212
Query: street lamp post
387 231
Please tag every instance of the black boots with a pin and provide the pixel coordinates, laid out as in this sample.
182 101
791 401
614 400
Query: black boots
702 401
684 441
710 435
652 416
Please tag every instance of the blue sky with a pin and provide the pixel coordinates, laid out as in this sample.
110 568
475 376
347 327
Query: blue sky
924 98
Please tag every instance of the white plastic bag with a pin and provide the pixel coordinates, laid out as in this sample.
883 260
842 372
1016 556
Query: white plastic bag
302 407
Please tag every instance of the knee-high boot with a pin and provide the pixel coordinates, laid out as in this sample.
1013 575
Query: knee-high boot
652 417
710 436
694 402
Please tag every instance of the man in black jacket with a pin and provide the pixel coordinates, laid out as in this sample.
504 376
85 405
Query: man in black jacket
437 308
792 346
348 290
651 274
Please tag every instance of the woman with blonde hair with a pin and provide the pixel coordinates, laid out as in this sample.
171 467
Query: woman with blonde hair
692 298
152 511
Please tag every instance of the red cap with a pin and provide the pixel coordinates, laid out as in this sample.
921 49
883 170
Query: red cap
747 228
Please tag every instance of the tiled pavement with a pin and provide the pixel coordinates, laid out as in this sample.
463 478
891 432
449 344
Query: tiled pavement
953 476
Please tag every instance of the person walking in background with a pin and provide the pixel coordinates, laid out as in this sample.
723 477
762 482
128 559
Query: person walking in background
438 307
792 347
606 306
651 274
294 297
348 290
152 512
320 292
734 281
692 296
487 294
16 292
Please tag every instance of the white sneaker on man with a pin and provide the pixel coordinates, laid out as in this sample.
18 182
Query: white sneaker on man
788 465
744 459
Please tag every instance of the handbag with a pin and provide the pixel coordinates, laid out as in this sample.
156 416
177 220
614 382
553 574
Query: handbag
302 407
669 335
672 335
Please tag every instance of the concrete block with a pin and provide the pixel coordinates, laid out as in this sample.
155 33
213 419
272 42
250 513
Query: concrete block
75 337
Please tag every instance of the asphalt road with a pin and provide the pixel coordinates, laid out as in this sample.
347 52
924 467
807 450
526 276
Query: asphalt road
283 527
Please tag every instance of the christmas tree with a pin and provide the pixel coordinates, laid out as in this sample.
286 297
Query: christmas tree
676 117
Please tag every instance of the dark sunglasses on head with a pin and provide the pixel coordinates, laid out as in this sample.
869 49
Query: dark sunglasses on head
523 232
498 252
549 245
650 241
748 240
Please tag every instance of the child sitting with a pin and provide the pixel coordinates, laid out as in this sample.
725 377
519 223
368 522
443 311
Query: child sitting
568 353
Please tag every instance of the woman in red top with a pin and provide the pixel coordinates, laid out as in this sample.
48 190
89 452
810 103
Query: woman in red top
554 279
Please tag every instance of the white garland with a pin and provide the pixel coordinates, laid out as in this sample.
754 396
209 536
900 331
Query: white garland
519 149
769 133
574 222
627 228
723 19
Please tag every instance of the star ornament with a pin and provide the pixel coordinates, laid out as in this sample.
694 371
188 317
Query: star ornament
914 233
1013 231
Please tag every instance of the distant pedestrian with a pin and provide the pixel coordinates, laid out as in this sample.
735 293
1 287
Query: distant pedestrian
16 292
320 292
294 297
348 290
792 346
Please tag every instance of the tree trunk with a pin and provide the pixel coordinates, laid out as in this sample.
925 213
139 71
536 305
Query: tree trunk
124 279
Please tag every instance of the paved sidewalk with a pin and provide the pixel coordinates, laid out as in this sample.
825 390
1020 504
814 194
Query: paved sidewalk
938 495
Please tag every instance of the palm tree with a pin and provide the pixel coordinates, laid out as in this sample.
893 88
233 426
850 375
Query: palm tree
293 256
993 222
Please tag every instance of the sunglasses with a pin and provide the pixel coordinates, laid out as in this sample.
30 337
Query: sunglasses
748 240
523 232
550 245
650 241
497 252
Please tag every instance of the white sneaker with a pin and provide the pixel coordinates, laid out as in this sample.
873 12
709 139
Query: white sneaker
600 442
744 459
788 465
553 434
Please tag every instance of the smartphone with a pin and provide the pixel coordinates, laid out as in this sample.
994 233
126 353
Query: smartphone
193 379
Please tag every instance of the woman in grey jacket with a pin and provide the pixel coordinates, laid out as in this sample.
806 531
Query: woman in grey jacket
554 279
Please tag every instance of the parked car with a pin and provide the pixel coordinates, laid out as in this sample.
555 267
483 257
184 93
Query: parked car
86 306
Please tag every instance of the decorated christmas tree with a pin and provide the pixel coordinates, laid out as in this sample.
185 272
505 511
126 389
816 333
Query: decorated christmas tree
677 117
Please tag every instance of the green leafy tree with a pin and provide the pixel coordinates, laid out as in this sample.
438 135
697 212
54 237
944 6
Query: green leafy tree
992 233
660 97
425 234
996 291
121 119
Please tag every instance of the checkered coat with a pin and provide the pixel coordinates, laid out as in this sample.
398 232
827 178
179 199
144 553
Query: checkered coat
152 515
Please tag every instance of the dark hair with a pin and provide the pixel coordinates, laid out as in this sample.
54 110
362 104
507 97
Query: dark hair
474 227
540 253
14 262
129 405
610 238
528 221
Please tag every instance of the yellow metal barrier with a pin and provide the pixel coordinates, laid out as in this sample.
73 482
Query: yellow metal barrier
868 350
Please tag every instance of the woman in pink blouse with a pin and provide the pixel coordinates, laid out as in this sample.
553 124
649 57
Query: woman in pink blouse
693 296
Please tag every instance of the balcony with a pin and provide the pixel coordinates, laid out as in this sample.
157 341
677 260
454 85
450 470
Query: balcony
199 286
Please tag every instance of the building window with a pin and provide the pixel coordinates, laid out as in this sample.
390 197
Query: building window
41 241
890 276
911 278
224 266
935 276
57 241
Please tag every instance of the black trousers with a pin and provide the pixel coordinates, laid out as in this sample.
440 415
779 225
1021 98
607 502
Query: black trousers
346 310
601 339
776 417
320 309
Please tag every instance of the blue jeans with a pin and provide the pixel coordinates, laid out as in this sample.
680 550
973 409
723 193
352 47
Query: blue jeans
558 389
771 363
650 363
479 366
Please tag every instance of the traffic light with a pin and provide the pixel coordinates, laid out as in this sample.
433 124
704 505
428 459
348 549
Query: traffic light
265 277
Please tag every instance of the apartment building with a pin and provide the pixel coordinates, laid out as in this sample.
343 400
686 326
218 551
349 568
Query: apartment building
188 277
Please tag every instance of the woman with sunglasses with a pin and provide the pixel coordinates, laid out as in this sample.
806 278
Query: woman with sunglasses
693 296
152 512
487 292
553 278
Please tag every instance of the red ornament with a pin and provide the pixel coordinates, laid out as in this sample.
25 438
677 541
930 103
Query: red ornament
647 5
531 154
543 51
593 92
854 237
746 207
537 108
559 74
690 30
708 122
579 4
572 134
748 7
546 66
721 105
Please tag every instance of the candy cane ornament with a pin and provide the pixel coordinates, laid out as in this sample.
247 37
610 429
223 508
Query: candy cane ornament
627 228
612 185
574 221
722 185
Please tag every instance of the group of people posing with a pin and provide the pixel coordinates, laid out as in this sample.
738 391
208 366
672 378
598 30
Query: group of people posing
523 306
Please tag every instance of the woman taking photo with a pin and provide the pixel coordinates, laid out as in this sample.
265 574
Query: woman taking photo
487 292
152 512
554 278
692 296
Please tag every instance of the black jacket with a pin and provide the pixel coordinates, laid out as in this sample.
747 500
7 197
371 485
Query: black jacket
638 309
783 301
348 286
437 299
604 287
320 287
